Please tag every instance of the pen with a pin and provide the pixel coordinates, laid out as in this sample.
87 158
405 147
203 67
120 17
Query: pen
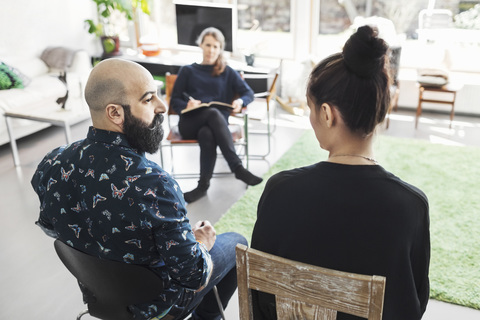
189 97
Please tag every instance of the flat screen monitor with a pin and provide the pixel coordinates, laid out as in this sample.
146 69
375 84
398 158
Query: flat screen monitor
193 18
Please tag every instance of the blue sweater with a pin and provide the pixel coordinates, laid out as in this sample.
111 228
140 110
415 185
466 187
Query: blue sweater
196 80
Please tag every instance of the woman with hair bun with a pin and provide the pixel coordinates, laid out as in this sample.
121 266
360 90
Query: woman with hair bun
348 213
211 80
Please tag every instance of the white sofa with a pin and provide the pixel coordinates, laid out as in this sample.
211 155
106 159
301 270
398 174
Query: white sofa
44 88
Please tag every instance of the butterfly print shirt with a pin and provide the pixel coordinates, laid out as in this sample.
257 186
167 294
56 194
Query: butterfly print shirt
102 197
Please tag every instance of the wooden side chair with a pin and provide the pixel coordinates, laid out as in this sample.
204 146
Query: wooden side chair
303 291
239 133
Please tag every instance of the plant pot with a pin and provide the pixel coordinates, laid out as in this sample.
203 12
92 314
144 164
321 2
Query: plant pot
110 45
150 50
250 59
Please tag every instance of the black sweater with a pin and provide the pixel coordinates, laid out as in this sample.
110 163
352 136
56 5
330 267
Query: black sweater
353 218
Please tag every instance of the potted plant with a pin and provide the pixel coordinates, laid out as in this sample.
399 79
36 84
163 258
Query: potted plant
108 13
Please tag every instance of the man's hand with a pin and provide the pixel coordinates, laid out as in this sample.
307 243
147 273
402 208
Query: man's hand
205 233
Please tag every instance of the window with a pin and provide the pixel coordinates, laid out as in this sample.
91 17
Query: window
265 28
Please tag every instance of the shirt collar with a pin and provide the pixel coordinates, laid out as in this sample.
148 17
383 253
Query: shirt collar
110 137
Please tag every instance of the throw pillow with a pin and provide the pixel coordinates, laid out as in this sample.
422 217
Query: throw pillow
11 77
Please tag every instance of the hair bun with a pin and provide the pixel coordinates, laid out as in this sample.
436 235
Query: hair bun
364 53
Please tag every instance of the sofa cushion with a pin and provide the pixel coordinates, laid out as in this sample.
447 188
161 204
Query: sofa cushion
46 87
30 67
10 77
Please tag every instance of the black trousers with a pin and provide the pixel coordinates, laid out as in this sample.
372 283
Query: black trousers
210 128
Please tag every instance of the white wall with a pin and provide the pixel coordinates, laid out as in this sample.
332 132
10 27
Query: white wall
29 26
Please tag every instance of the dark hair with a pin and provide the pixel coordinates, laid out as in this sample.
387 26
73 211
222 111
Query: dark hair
220 64
355 81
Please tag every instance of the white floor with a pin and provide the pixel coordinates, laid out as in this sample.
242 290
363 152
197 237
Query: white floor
36 285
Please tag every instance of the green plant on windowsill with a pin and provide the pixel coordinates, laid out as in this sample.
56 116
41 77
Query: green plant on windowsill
109 12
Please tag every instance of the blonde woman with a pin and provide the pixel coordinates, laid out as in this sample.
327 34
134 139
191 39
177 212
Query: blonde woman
211 80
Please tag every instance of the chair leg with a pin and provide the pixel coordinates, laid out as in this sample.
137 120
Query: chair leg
268 133
220 306
81 314
274 118
269 130
161 156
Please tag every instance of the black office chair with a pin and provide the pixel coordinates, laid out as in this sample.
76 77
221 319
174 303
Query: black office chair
109 287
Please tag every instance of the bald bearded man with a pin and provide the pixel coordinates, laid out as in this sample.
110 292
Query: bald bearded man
102 196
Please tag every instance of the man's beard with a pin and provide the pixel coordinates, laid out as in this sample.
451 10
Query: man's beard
140 135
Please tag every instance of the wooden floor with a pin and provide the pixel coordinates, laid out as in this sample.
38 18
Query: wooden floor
34 283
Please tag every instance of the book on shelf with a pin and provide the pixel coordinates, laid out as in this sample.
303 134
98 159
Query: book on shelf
215 104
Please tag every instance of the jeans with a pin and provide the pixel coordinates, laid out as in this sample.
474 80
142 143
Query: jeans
210 128
224 276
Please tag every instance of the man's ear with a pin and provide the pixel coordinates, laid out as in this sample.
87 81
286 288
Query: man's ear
327 114
115 113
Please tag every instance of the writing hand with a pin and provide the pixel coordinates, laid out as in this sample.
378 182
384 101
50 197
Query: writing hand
237 105
192 103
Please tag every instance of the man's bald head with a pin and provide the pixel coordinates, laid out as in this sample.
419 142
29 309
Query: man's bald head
109 81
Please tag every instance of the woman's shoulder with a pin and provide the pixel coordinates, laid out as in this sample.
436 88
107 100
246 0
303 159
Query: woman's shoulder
288 176
409 188
229 69
186 68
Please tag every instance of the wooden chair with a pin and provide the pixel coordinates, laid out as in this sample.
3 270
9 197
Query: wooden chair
239 133
303 291
268 96
450 89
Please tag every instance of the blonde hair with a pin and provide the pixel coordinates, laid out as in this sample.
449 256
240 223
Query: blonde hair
220 64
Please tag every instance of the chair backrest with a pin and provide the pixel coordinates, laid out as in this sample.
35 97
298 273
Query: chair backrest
110 286
303 291
273 88
435 19
169 83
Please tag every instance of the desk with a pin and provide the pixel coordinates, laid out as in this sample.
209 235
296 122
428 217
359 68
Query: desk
51 113
449 89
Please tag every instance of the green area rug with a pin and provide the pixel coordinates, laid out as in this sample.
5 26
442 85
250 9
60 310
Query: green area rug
448 175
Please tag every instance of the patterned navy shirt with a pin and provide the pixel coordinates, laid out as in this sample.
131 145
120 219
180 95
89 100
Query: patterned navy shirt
101 196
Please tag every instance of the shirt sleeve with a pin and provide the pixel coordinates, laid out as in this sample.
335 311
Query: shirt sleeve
40 185
422 260
241 88
188 262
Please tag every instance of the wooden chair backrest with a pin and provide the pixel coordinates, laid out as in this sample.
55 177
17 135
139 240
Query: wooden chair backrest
273 88
169 83
304 291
